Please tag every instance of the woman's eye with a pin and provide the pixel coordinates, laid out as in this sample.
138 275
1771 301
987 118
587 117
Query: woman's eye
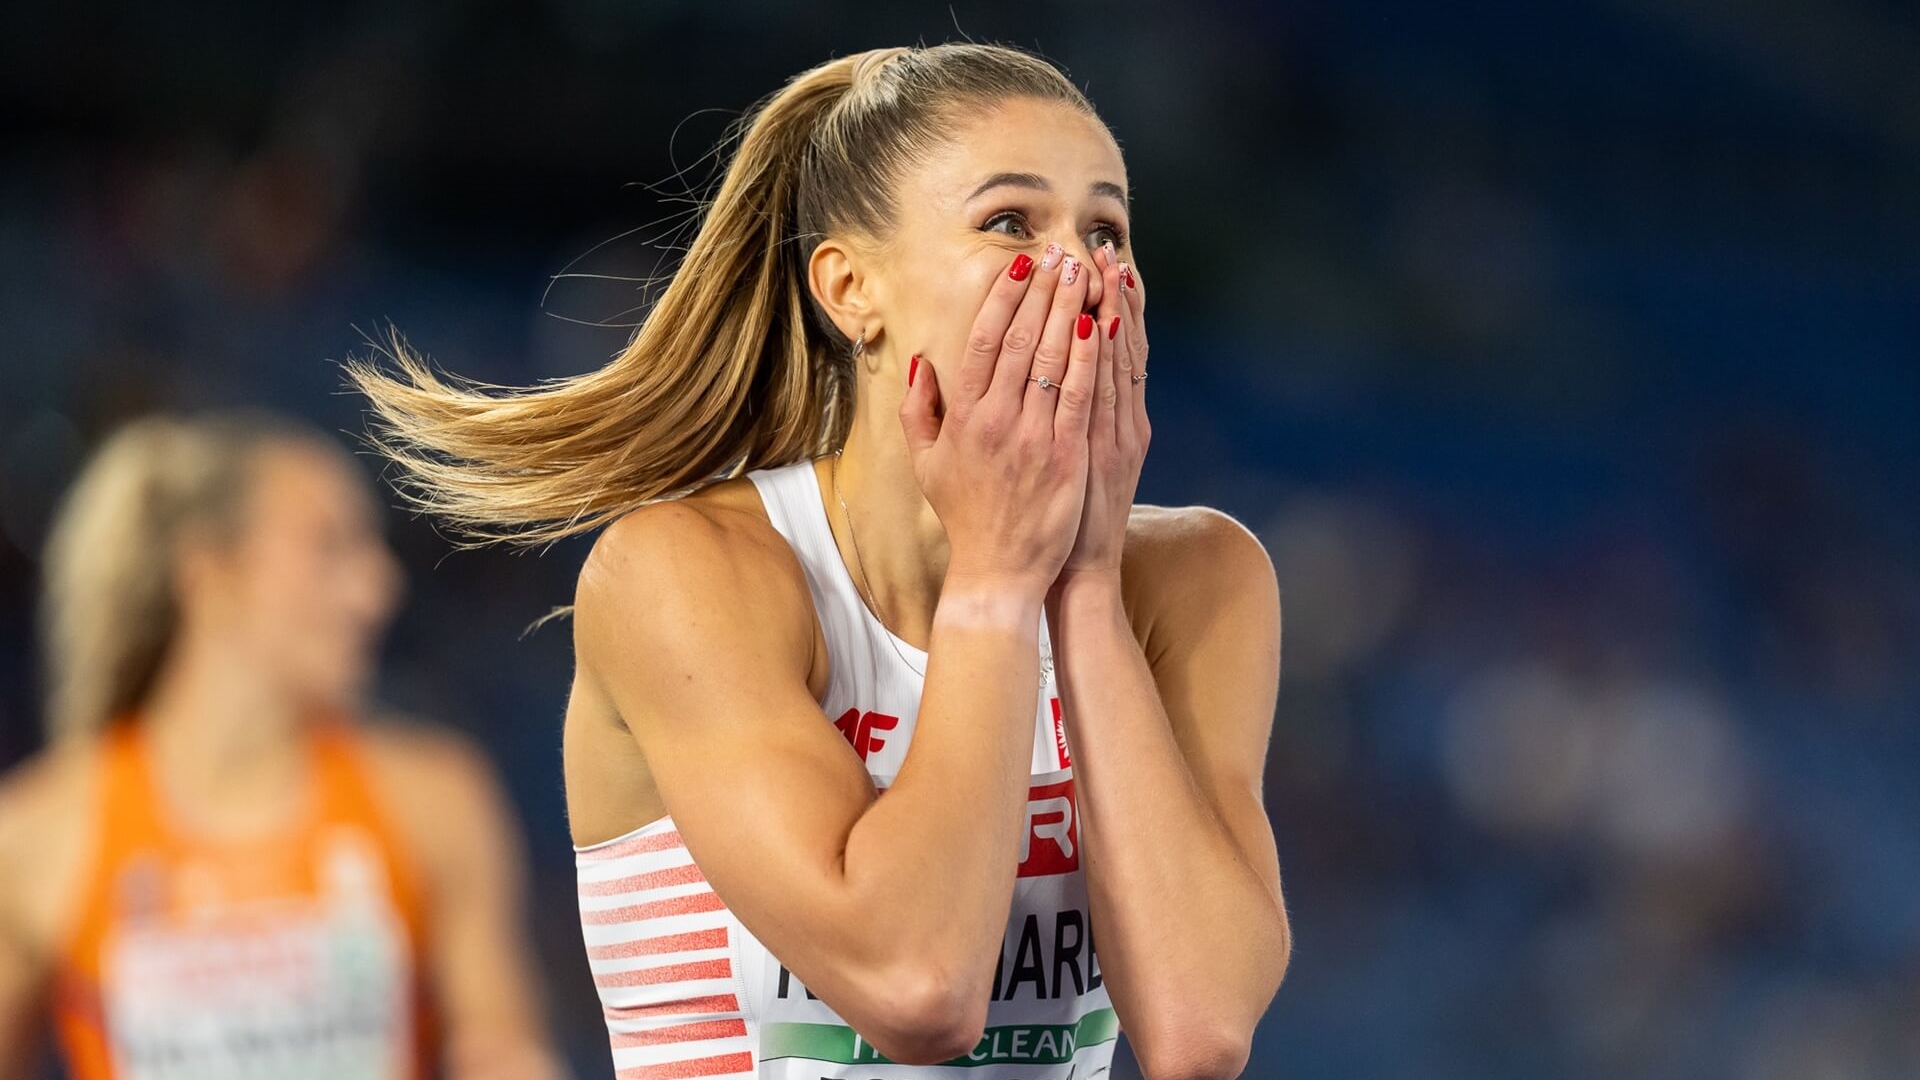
1017 225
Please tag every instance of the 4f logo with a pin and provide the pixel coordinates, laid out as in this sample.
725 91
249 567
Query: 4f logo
865 730
1051 842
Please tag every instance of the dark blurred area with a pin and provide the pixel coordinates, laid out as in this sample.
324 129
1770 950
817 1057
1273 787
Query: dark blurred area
1565 356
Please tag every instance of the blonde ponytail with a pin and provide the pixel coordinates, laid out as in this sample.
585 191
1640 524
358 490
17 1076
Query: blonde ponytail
735 367
108 608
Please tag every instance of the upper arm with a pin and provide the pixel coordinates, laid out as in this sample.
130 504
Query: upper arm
22 985
22 1003
468 844
36 826
697 629
477 862
1214 646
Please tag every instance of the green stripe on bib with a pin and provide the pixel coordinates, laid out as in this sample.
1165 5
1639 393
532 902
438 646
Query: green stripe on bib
1009 1044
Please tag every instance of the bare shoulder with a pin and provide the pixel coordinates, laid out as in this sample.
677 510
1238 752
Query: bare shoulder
417 761
1185 568
1191 550
46 798
441 793
674 595
717 534
687 569
47 820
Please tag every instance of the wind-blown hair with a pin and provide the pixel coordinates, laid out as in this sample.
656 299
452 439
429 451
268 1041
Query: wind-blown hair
735 367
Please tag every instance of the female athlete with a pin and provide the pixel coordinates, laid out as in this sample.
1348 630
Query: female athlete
918 750
214 872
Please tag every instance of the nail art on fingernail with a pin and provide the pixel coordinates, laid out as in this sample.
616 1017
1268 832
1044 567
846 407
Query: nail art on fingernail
1113 327
1070 273
1051 257
1084 329
1126 275
1112 255
1022 266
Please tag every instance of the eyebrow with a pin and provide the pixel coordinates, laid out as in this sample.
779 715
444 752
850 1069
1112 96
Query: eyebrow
1039 183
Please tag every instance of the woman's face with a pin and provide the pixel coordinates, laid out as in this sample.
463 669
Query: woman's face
1014 178
307 588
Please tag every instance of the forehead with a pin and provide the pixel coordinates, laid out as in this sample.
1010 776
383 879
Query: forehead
1022 135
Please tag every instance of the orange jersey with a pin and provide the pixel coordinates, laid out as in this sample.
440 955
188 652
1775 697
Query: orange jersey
292 956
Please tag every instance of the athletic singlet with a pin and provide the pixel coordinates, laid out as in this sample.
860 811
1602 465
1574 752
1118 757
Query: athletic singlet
688 991
290 956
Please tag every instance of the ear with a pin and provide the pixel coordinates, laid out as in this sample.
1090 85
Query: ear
199 566
836 273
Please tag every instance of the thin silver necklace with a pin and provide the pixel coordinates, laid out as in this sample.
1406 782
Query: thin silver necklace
873 605
859 561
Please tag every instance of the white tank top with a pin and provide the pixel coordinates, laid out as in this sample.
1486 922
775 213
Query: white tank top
688 991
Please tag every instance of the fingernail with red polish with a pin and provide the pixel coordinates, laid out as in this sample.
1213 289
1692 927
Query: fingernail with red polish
1084 329
1113 328
913 369
1022 266
1126 275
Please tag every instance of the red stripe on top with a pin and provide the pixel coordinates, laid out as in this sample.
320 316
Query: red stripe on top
712 1003
657 879
654 976
680 1070
655 909
666 943
694 1032
633 845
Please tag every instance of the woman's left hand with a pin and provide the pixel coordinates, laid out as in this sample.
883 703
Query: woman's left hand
1118 433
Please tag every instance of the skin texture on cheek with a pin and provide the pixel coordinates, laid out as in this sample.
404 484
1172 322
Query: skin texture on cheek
974 277
319 582
930 290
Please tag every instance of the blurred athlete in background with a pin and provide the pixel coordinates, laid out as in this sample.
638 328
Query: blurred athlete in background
215 871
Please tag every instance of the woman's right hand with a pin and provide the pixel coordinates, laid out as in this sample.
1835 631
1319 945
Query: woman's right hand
1005 464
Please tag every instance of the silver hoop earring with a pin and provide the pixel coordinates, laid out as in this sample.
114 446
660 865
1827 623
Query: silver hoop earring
860 351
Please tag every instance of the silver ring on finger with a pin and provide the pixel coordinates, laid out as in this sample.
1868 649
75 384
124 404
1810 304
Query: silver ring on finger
1045 383
1138 378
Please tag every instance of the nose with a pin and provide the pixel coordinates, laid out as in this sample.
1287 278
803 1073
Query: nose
1096 280
1096 285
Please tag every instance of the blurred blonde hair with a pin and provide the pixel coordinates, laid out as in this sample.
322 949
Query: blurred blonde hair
735 367
108 604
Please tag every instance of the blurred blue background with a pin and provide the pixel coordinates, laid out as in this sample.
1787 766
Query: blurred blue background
1566 357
